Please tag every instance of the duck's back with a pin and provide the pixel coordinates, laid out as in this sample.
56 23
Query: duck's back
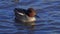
20 10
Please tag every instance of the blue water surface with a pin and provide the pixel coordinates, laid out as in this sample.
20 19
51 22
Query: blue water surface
47 10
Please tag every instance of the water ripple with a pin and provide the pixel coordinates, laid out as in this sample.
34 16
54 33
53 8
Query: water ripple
48 11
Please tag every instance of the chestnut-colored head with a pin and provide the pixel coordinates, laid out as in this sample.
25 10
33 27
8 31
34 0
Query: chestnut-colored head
31 12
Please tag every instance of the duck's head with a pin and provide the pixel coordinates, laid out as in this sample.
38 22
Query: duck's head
31 12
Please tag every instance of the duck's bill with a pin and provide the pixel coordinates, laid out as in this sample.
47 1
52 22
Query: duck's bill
37 16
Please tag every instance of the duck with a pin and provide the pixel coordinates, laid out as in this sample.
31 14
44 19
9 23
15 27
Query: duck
26 16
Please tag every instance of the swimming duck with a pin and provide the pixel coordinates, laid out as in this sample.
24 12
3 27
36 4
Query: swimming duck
24 15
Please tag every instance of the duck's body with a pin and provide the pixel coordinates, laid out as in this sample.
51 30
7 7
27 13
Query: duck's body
24 16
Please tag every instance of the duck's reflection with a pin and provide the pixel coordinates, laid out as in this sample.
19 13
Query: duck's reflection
25 26
15 1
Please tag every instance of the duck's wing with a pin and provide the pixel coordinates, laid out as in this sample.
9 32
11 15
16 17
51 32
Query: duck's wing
19 11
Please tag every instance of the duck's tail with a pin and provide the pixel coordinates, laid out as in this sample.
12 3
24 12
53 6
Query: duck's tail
19 10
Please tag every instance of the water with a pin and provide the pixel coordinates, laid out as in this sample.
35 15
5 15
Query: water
47 10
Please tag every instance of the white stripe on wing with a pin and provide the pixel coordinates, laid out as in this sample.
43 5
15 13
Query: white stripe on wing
20 13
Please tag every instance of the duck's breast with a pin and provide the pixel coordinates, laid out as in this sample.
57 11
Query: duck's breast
30 19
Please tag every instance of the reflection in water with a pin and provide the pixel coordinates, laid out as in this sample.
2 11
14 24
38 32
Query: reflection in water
24 26
16 1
